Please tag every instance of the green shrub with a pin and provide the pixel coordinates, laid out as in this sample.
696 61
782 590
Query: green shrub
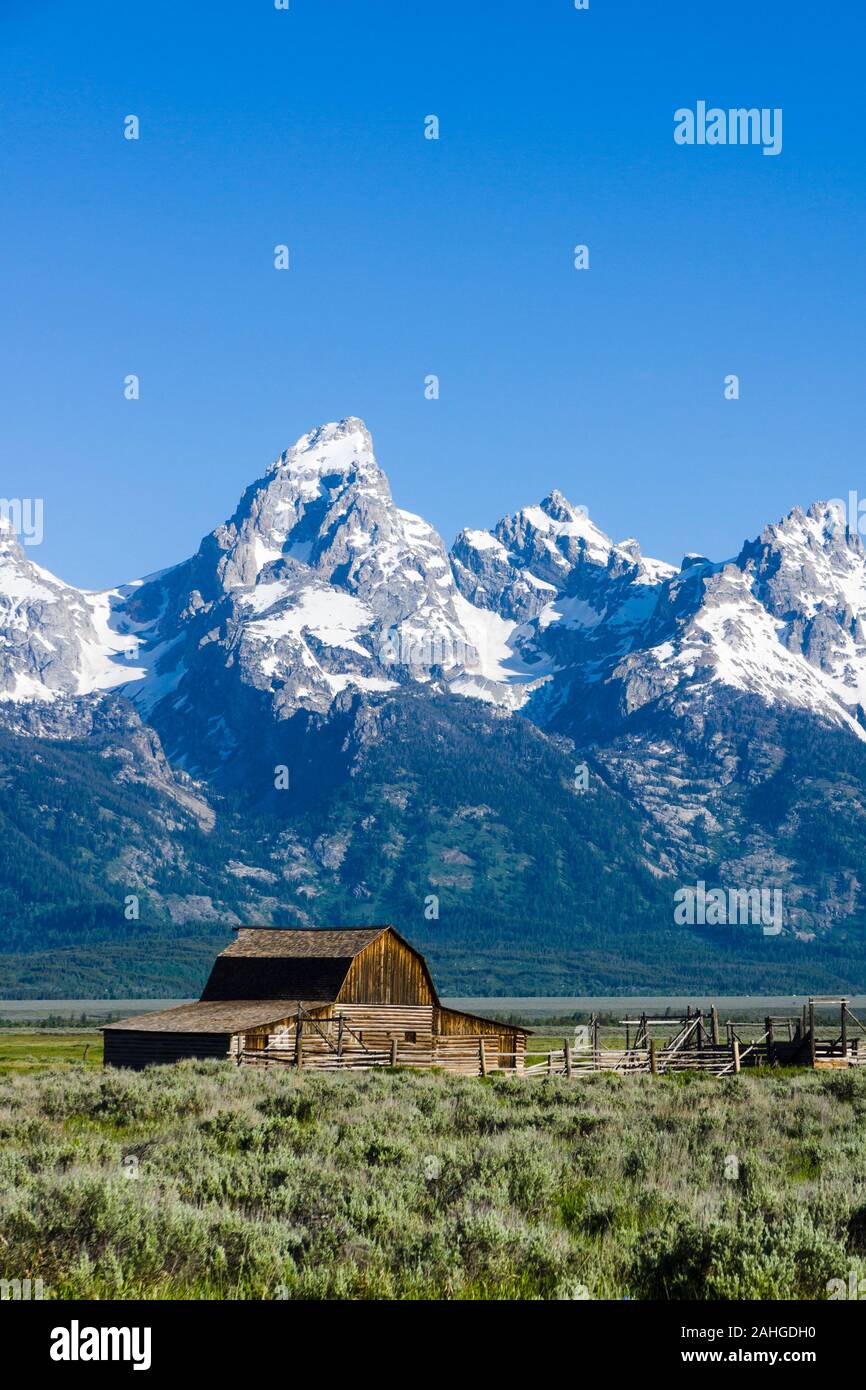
202 1180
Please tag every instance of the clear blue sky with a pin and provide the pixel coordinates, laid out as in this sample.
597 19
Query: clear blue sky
412 257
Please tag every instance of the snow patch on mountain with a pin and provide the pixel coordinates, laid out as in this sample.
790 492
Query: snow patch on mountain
319 583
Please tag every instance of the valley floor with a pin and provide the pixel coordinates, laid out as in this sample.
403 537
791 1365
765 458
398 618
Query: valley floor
22 1050
201 1180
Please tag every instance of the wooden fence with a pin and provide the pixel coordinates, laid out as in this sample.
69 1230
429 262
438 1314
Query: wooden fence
350 1059
471 1056
568 1061
698 1043
476 1057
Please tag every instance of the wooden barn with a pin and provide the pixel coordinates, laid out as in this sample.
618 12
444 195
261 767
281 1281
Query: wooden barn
329 999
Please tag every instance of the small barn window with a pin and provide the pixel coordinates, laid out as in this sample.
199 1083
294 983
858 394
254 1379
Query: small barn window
411 1037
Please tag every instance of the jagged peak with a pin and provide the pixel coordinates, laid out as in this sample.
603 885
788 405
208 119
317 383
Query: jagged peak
478 539
332 465
820 522
558 508
340 446
556 516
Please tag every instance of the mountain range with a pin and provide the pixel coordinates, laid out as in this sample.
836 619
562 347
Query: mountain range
517 750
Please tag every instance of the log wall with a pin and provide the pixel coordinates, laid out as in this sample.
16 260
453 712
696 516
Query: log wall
373 1034
512 1040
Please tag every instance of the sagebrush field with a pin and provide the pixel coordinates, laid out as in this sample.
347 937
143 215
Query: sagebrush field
204 1181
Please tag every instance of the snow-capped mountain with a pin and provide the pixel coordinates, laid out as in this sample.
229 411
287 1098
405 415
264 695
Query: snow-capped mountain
57 640
320 584
781 622
326 631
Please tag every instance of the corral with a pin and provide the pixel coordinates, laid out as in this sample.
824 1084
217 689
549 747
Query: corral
701 1042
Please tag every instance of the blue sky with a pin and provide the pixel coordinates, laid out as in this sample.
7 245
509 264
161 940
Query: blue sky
411 257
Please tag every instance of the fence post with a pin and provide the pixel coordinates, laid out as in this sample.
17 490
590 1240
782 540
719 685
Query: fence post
844 1030
654 1064
393 1052
567 1050
714 1025
737 1055
812 1047
482 1056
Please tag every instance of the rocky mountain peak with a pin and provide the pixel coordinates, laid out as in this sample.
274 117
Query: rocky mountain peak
342 449
557 506
319 586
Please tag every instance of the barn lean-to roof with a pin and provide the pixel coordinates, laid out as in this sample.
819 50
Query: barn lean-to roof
216 1016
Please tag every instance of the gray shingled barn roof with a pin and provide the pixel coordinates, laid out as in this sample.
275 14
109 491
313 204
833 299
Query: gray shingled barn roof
215 1016
271 963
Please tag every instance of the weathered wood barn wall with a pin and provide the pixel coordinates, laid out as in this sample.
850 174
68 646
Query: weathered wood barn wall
191 1030
323 998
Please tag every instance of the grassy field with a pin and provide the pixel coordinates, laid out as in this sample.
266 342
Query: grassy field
202 1180
34 1049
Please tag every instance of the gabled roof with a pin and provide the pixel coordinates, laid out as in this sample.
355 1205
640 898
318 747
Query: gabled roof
272 962
343 943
